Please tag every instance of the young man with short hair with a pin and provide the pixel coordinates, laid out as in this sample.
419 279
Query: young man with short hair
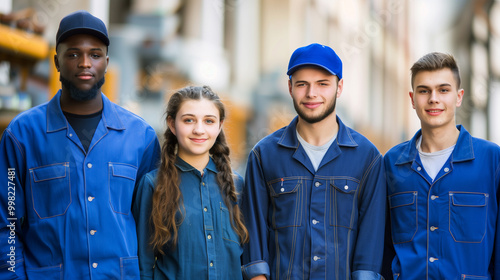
443 186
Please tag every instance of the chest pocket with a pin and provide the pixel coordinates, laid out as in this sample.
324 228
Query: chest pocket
468 213
403 207
286 203
121 185
343 210
51 190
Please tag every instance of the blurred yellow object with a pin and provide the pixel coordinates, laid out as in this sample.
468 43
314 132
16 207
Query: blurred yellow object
22 43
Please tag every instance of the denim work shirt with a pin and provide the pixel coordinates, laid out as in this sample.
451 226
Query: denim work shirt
447 228
207 246
71 212
307 224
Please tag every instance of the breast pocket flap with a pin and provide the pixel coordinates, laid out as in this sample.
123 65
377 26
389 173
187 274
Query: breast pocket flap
402 199
284 187
345 186
50 172
124 171
469 199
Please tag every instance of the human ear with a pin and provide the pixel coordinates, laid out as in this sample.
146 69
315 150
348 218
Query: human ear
460 97
411 98
171 124
56 62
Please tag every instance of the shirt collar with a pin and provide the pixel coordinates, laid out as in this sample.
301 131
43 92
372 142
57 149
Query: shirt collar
463 149
289 137
186 167
56 120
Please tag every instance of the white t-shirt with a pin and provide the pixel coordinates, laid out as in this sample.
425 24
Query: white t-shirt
433 162
315 153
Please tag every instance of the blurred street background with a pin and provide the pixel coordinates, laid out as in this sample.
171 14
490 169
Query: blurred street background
241 48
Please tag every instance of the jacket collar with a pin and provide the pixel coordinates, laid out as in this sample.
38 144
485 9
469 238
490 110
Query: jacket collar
186 167
57 121
289 137
463 151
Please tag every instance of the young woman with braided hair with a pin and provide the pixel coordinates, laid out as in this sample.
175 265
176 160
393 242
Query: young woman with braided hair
189 224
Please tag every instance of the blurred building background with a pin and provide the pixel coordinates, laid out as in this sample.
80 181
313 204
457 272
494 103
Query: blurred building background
241 49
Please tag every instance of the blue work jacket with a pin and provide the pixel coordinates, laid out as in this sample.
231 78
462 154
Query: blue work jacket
70 214
307 224
447 228
207 245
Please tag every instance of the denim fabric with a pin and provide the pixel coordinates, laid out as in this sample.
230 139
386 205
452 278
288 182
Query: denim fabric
308 224
446 228
207 246
72 209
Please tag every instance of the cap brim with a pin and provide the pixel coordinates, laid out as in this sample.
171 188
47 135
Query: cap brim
296 67
88 31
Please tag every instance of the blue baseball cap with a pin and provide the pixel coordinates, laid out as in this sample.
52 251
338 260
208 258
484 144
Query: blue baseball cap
81 22
315 55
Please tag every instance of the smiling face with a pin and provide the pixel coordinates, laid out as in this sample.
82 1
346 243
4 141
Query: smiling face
314 92
196 126
435 98
82 61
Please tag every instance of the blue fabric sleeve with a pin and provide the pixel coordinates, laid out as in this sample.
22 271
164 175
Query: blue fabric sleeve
369 247
365 275
151 157
12 205
142 213
254 204
496 250
254 269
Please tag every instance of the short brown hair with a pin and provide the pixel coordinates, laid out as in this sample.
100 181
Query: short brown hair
436 61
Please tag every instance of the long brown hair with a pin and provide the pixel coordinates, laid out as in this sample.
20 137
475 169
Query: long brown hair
167 197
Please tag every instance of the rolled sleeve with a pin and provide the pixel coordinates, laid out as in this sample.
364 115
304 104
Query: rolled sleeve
254 269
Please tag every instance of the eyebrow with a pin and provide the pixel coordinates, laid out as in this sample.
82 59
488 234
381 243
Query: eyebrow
78 49
441 85
192 115
318 81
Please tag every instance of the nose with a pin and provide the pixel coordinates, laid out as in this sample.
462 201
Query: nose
198 128
311 91
85 62
434 97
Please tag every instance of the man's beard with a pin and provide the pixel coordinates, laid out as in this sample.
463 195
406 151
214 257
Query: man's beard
315 119
82 95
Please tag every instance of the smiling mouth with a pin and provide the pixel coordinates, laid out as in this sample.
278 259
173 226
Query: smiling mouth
312 105
433 112
198 140
85 76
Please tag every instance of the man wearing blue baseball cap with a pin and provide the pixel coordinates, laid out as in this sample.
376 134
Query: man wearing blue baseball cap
71 166
314 196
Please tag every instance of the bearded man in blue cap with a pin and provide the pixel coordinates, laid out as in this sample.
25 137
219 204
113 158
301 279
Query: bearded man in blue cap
314 200
70 168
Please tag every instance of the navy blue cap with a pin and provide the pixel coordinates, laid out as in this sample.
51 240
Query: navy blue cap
316 55
82 22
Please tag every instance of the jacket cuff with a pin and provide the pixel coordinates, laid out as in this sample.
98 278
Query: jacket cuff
255 268
366 275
